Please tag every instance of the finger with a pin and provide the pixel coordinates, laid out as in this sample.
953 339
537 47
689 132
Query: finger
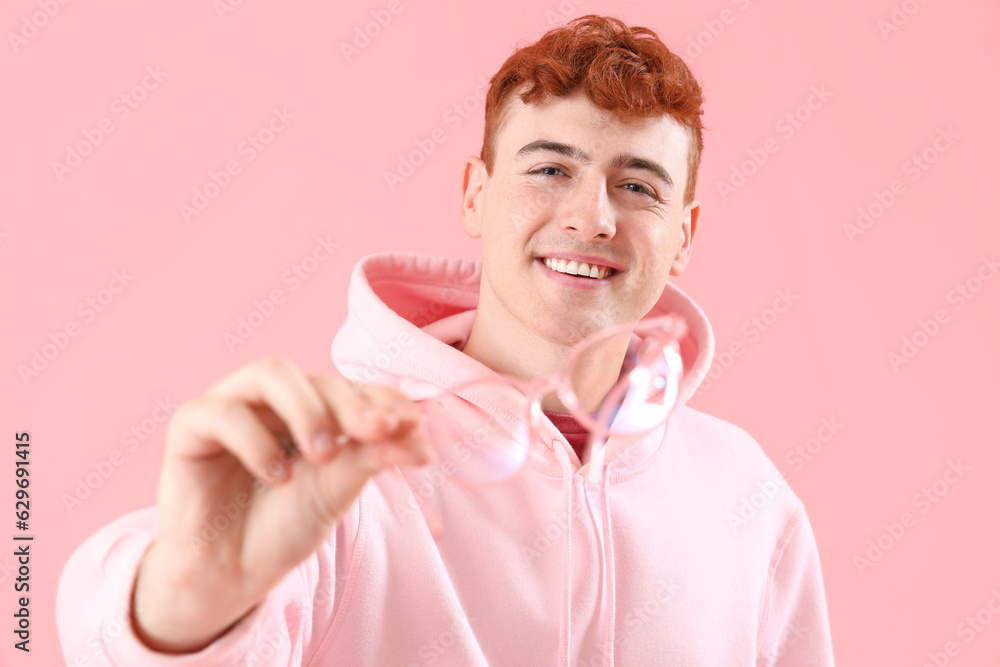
206 427
368 412
411 450
284 388
402 413
370 457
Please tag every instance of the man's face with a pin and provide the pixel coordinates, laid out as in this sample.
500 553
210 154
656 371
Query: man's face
573 186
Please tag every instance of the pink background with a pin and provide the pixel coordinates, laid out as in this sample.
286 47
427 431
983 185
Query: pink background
786 227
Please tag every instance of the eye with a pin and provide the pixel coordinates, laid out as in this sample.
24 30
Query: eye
547 169
641 189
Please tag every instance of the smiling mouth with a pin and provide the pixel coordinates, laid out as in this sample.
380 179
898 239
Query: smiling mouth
574 268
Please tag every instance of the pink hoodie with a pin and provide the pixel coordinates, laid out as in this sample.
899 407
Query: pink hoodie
693 553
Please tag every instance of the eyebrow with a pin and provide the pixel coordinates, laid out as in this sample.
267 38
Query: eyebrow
622 160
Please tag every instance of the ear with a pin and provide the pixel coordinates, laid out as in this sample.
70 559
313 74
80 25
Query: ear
474 179
688 228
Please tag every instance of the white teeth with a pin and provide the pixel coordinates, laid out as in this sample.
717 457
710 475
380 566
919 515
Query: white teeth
581 269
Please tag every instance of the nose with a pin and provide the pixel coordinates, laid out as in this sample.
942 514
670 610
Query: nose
588 211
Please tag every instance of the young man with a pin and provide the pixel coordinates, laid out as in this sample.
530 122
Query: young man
256 557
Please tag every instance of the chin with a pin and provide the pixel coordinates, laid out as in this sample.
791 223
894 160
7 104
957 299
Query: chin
572 331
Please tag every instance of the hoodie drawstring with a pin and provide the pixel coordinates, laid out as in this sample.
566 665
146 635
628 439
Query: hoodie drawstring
610 575
566 608
567 570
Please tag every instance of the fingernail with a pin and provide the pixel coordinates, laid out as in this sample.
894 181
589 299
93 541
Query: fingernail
393 421
323 443
276 469
374 416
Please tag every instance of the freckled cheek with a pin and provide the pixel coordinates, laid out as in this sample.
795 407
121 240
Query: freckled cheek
530 204
519 221
658 251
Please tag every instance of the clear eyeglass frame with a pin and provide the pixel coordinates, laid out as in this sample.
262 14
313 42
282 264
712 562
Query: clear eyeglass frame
487 448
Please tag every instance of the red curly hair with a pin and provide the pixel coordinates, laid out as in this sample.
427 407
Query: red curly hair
625 70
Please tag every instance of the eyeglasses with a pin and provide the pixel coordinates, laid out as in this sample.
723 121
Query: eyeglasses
477 442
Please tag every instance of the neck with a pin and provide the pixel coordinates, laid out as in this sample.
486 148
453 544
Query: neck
509 347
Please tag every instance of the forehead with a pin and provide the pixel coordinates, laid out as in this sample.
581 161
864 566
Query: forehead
573 119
